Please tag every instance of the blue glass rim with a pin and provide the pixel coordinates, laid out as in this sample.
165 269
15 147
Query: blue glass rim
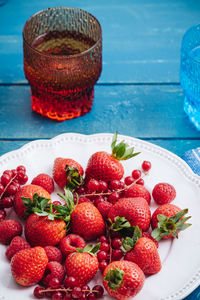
188 31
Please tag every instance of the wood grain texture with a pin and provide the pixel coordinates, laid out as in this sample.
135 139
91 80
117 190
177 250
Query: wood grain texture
141 39
140 111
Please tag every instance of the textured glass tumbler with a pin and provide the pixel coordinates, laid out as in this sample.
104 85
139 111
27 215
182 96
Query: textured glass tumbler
62 61
190 73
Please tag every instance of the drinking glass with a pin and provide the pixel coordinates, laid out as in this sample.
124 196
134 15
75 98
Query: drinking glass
190 73
62 61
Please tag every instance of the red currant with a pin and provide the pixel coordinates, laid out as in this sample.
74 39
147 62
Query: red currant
7 202
54 283
76 292
146 165
116 243
98 200
117 254
114 185
8 172
14 172
102 239
102 265
67 297
21 168
48 294
11 189
86 290
121 185
5 179
83 297
140 181
23 178
114 197
2 215
103 186
136 174
91 296
102 255
98 291
81 190
37 292
93 186
104 247
16 184
70 282
57 296
1 188
128 180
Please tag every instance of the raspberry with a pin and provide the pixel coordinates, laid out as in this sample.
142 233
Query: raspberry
138 191
17 244
53 270
163 193
53 254
8 230
104 208
45 181
148 235
70 242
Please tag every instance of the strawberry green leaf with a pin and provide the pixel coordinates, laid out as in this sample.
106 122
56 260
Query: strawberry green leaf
74 179
41 214
183 226
114 141
119 223
179 215
96 248
161 218
156 234
128 243
114 278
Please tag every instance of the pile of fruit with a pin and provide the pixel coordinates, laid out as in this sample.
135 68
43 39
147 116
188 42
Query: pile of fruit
99 224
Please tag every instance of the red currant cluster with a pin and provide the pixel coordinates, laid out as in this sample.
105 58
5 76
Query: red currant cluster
68 290
10 182
110 250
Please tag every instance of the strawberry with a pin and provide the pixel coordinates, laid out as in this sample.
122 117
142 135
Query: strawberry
149 236
67 172
27 191
163 193
53 270
107 167
104 208
17 244
70 242
53 254
123 279
167 220
28 266
87 221
41 231
45 181
145 255
8 230
134 210
83 265
137 190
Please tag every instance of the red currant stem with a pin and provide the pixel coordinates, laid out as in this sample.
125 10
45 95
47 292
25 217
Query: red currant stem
120 190
110 243
65 290
7 186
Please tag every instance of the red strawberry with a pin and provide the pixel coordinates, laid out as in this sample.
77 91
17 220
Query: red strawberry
167 220
82 266
63 172
149 236
107 167
27 191
163 193
137 190
53 270
123 279
104 208
135 210
45 181
70 242
28 266
53 254
40 231
145 255
17 244
87 221
8 230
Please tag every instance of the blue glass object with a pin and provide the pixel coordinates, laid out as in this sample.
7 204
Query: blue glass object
190 73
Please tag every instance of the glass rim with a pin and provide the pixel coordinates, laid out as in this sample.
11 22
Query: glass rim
59 55
184 36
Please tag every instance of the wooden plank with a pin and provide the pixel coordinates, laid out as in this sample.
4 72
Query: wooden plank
141 39
176 146
140 111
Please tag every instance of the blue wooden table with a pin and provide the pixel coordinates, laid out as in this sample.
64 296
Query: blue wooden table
138 93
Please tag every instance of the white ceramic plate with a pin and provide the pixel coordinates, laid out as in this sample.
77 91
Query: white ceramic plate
180 273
